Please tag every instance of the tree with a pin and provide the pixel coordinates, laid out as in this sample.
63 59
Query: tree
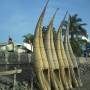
76 29
76 26
76 47
28 37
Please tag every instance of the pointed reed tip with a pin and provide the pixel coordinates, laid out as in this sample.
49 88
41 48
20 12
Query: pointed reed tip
47 2
57 8
69 15
55 12
67 11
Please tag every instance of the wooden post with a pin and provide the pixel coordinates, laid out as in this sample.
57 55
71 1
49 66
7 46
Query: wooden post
11 72
14 81
32 84
26 86
19 60
6 60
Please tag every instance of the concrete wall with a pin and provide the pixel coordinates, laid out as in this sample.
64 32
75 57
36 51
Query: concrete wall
13 59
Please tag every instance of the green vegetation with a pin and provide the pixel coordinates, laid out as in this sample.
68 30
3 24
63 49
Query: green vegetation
76 26
76 47
28 37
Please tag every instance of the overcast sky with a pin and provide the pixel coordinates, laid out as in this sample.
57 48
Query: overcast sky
19 17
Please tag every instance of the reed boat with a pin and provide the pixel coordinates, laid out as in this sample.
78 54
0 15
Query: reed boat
38 50
56 83
55 59
74 61
71 66
62 58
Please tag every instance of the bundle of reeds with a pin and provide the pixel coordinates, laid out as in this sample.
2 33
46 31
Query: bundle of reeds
56 83
67 70
62 59
55 64
45 62
55 60
39 54
71 66
50 58
63 62
73 58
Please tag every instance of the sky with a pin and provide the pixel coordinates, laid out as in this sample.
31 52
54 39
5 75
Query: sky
19 17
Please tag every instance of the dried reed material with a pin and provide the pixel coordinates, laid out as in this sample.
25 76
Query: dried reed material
45 63
61 62
73 78
43 53
48 48
39 65
73 58
50 59
67 70
46 74
56 83
55 60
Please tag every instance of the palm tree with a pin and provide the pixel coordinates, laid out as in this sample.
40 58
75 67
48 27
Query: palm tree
28 38
76 47
76 26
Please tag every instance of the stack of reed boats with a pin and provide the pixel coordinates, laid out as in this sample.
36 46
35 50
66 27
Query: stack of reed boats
55 65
